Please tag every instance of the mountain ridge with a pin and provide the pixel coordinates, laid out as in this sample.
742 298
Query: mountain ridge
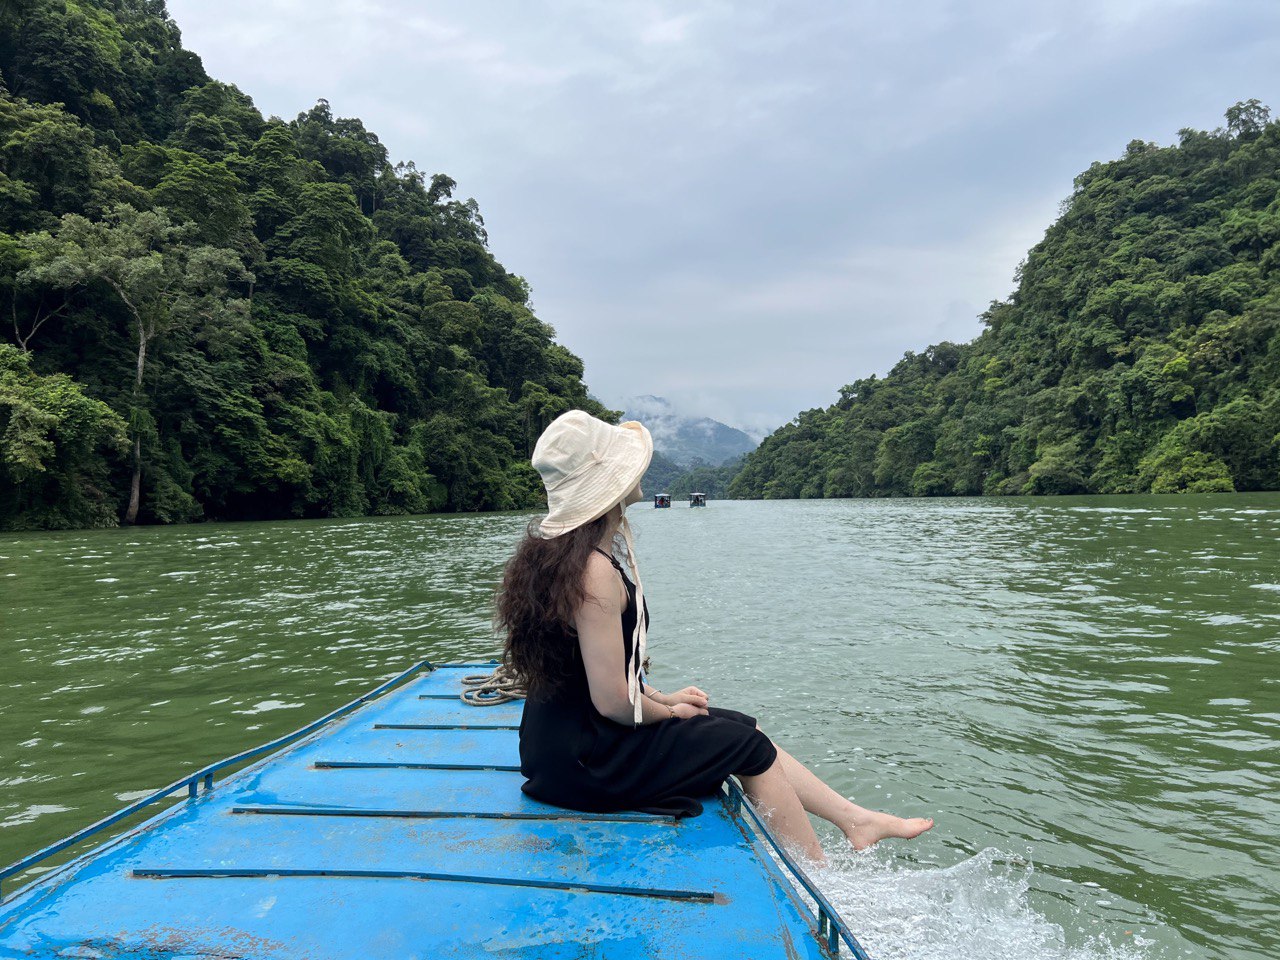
221 315
1139 352
687 441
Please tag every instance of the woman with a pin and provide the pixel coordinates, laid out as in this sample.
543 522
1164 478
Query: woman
595 736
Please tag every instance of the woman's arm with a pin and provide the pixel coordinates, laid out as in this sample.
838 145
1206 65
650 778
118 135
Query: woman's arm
688 695
599 625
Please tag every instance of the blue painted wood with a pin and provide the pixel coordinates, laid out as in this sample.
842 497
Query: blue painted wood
407 859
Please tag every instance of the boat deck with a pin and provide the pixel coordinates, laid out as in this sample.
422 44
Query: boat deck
399 830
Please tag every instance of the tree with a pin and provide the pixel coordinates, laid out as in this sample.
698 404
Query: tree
47 161
35 311
204 194
1247 118
159 278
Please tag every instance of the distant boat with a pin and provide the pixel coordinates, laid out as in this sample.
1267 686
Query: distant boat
661 501
697 499
394 827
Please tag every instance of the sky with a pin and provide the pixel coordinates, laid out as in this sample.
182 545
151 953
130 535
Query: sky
742 207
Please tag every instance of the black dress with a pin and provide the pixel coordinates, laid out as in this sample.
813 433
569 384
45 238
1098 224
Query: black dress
572 756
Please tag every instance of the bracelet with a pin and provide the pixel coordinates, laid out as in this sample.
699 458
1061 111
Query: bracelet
673 711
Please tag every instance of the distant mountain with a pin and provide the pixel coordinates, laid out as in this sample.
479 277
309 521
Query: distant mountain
687 441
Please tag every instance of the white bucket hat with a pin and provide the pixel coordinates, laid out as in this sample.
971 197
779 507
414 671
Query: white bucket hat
588 467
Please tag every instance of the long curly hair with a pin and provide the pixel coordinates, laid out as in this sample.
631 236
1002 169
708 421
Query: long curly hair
542 588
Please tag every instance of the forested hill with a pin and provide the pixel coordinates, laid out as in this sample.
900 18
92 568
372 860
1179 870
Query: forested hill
1139 352
210 314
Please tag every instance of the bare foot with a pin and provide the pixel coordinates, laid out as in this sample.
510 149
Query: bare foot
874 827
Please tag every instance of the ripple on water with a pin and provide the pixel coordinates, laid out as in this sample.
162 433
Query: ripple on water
1080 677
33 812
265 706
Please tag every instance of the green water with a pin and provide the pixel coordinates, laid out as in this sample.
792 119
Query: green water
1085 692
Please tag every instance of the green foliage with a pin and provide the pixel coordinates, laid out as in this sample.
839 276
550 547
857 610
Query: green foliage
902 450
662 473
203 193
283 323
49 165
56 449
117 65
1139 352
1171 468
702 477
666 476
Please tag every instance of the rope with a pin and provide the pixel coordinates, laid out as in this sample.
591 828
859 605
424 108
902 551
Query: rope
487 689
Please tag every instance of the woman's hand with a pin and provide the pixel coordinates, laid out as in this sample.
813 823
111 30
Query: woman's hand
684 710
690 695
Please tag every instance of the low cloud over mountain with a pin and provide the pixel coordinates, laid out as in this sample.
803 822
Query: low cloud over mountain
685 440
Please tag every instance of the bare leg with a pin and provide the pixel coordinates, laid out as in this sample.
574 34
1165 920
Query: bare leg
863 827
773 794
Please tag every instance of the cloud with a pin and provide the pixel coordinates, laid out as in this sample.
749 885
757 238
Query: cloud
742 207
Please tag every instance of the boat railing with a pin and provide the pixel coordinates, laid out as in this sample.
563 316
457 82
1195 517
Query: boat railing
204 776
831 928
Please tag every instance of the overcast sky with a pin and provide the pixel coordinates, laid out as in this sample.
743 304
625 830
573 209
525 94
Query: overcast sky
742 207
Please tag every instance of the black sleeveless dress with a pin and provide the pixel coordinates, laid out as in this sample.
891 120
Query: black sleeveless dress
573 756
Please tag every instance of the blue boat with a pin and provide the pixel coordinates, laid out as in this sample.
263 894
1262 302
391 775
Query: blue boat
395 827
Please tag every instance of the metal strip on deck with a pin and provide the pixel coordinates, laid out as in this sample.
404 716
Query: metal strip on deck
446 726
408 765
279 811
396 828
572 886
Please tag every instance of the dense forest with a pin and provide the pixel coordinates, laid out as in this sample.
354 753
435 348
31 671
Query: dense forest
1139 352
212 314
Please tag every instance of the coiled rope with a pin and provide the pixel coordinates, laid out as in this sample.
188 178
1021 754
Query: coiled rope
488 689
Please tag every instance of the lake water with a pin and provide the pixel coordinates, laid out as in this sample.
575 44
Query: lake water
1085 692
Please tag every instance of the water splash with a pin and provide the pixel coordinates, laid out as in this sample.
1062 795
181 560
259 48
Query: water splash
979 909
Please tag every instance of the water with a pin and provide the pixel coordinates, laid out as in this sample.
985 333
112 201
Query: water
1085 692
